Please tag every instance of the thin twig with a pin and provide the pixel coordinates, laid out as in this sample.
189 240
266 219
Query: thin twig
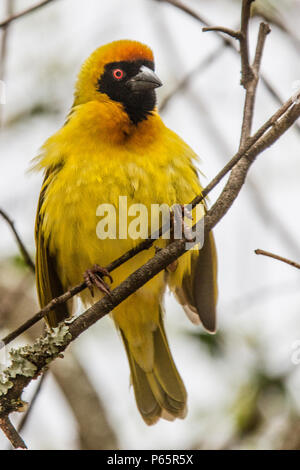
266 213
264 30
222 29
147 243
242 35
250 83
280 258
247 72
43 312
11 433
25 254
24 12
226 42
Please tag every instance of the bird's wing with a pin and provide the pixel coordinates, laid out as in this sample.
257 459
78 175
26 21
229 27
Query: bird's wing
198 292
48 283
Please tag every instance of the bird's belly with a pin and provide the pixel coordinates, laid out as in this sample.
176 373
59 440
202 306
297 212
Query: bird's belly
73 207
74 210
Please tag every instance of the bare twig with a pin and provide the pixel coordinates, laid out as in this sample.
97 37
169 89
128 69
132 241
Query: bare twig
42 313
249 104
226 42
250 81
264 30
249 74
11 433
239 172
279 258
222 29
25 254
24 12
40 355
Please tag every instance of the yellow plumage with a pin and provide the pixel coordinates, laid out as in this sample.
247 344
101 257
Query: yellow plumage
98 155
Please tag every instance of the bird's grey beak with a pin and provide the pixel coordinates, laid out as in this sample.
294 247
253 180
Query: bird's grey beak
146 79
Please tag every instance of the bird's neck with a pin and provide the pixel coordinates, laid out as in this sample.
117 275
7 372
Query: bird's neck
108 121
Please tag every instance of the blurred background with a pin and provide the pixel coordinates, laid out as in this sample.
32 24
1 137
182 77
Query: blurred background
244 382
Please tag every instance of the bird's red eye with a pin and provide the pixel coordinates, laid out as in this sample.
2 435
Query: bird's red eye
118 74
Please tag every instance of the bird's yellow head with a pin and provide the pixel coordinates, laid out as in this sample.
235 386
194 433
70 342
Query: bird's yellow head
122 71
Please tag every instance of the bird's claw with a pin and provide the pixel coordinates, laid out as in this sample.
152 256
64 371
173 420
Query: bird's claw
94 277
178 214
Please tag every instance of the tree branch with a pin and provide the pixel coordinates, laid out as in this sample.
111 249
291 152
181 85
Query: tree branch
249 74
250 83
226 42
24 12
222 29
280 258
11 433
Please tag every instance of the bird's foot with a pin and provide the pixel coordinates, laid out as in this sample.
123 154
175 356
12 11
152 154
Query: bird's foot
179 228
94 277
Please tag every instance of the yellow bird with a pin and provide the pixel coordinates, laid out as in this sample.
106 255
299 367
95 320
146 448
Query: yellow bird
115 144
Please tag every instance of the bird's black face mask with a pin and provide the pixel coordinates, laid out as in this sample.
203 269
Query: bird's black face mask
132 84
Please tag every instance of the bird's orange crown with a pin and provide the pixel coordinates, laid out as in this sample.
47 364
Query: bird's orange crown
93 67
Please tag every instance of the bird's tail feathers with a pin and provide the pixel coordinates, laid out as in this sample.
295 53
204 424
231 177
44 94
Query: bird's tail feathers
160 392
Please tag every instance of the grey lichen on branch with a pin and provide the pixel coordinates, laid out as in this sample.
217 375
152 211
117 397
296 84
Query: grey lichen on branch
27 362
